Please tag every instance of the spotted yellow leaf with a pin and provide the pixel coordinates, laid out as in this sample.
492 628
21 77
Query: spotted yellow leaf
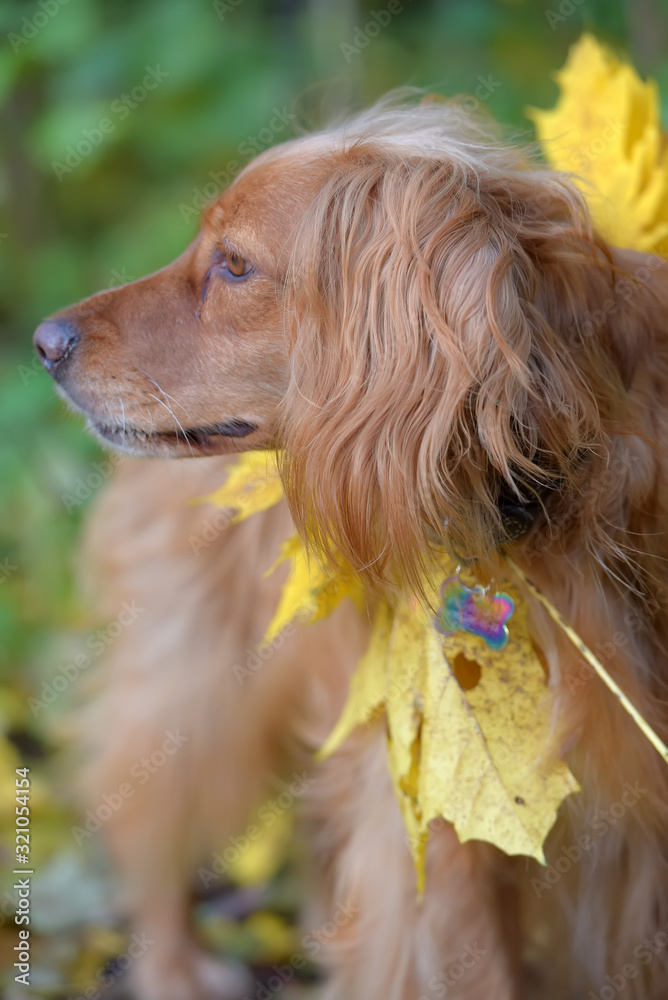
477 752
488 763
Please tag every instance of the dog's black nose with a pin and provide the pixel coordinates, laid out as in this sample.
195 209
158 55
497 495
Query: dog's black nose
54 340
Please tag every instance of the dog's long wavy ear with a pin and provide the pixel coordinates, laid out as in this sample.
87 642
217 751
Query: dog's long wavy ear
442 353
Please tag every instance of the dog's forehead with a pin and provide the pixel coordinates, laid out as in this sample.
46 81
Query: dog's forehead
304 151
266 200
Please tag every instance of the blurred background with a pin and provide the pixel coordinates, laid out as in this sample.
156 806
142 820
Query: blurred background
189 89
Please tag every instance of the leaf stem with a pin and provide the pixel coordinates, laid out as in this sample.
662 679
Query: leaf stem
593 661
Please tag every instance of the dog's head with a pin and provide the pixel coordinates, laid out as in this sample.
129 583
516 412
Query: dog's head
403 306
191 360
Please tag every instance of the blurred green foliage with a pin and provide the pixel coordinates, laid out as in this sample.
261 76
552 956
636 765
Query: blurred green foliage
127 207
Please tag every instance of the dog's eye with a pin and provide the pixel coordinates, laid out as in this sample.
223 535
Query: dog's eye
227 264
236 264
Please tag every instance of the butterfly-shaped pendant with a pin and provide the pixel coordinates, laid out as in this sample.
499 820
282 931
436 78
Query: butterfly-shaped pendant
474 610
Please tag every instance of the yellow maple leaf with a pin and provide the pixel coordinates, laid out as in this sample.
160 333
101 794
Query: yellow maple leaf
606 131
368 685
252 485
486 761
478 757
309 593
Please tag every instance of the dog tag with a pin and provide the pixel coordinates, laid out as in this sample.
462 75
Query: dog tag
474 610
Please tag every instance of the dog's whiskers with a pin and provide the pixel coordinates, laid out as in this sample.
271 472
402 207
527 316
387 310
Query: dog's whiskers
162 391
168 407
175 419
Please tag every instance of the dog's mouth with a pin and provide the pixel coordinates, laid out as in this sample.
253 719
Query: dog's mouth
209 440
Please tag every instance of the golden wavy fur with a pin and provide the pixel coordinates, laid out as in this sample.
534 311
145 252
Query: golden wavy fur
422 319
